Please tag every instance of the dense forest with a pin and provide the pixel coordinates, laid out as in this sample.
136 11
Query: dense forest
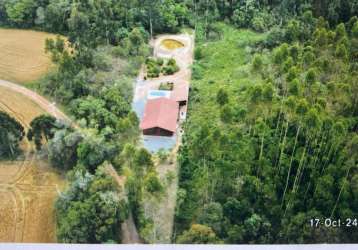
271 140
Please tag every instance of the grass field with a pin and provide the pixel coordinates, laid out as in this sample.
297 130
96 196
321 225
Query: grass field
226 63
28 186
22 55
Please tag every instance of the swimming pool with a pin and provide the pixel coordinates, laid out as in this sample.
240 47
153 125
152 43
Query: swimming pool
153 94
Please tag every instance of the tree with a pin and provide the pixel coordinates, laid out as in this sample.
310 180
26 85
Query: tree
212 216
11 134
41 127
355 30
143 158
198 234
311 76
62 148
21 12
152 183
93 150
293 30
341 31
91 210
226 114
257 229
341 51
151 9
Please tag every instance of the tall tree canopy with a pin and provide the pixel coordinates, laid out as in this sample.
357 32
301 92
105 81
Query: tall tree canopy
11 134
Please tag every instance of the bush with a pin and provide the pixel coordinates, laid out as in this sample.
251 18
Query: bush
153 71
102 61
258 24
197 71
150 61
172 62
170 69
160 61
222 97
311 76
163 155
257 63
275 37
341 51
166 86
198 53
308 58
152 183
155 67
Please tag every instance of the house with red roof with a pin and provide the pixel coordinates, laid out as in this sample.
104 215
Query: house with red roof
160 117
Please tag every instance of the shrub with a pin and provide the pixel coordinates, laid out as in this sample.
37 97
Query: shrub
294 51
308 57
171 62
152 183
160 61
197 71
170 69
340 31
311 76
275 37
163 155
222 97
341 51
257 63
166 86
153 70
258 24
281 53
293 30
198 53
150 61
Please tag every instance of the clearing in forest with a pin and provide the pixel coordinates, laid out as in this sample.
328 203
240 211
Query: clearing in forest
22 55
28 186
161 208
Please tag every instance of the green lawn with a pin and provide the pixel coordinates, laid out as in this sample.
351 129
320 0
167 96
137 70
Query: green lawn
226 63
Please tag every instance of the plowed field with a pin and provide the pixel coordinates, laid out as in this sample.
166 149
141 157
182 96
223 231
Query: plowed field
22 55
28 186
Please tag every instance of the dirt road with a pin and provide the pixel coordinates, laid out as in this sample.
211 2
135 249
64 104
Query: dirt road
129 230
39 100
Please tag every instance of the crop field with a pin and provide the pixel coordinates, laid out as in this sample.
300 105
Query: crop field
22 55
28 186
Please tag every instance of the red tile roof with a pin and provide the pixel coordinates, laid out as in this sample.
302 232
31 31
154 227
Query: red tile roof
162 113
180 91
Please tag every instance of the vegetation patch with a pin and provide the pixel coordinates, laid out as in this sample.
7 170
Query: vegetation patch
154 67
282 131
166 86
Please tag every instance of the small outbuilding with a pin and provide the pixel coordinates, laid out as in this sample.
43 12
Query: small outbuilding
181 93
160 117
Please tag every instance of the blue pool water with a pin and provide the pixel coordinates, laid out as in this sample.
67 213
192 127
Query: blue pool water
158 93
